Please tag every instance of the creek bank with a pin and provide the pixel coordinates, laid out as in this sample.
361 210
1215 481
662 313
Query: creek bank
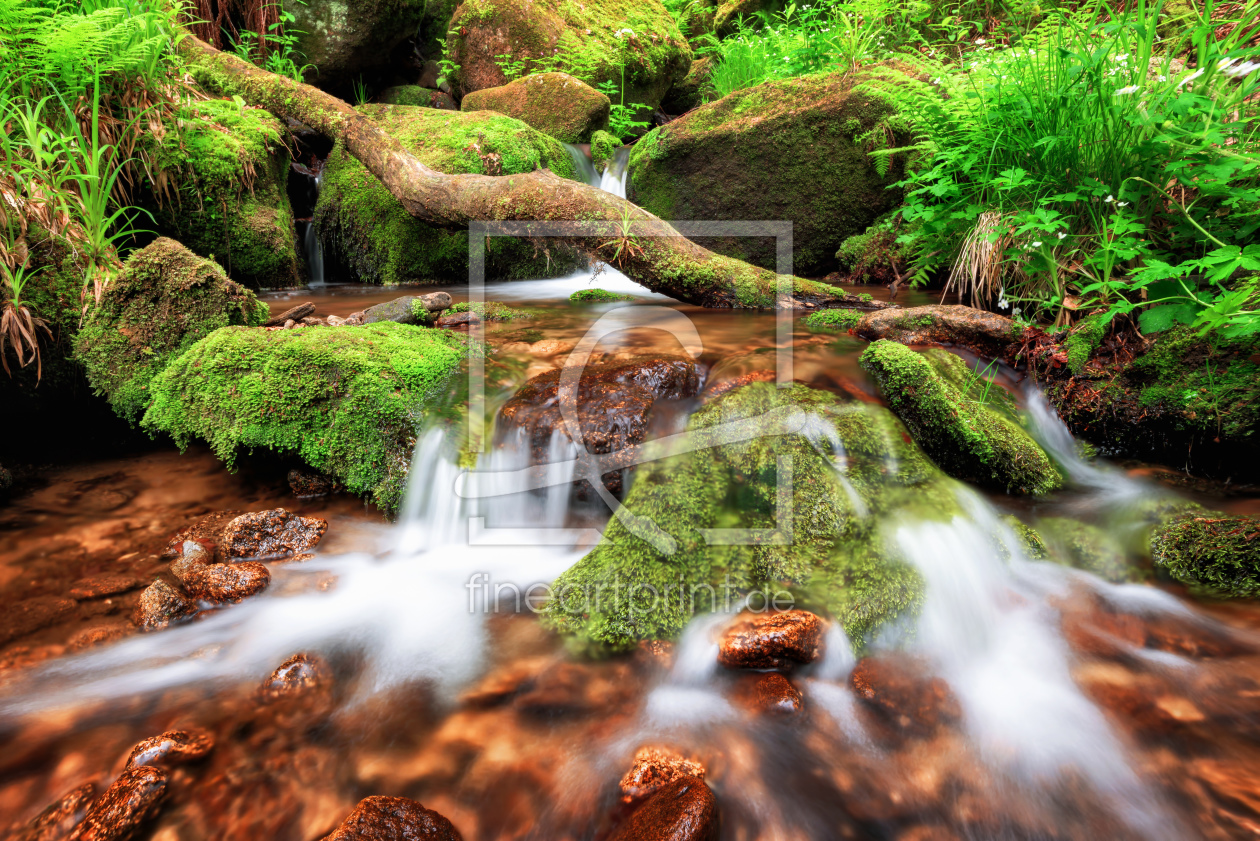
788 150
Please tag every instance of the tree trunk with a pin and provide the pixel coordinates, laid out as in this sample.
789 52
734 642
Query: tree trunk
644 247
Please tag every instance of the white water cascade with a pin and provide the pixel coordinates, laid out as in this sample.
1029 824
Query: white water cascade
313 248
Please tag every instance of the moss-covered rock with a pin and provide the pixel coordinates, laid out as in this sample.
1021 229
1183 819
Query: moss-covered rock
1215 555
347 400
874 256
1087 547
557 104
694 90
836 559
165 299
842 320
969 439
593 41
1083 340
222 192
416 96
781 150
598 296
986 333
363 226
345 40
604 146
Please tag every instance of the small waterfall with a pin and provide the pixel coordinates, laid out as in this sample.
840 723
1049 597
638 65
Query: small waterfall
613 178
313 247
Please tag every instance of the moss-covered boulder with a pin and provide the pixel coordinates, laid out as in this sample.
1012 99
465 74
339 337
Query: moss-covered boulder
1088 547
834 320
557 104
1215 554
694 90
592 40
347 400
222 192
416 96
345 40
986 333
660 562
959 429
165 299
604 146
364 227
598 296
785 150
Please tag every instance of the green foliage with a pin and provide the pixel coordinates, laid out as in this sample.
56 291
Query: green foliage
1081 168
957 428
493 310
1084 340
834 319
347 400
278 52
1214 554
597 296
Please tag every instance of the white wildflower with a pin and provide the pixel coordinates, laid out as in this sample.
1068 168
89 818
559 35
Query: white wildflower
1061 235
1110 198
1015 312
1243 69
1122 204
1037 244
1124 91
1225 63
980 41
1196 74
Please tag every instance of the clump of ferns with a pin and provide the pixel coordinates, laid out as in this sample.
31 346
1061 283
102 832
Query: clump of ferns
625 245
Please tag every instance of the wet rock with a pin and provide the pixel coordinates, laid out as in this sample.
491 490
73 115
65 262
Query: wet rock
551 347
174 747
104 585
899 690
771 640
348 41
30 615
683 810
459 319
1087 547
56 822
404 310
208 531
270 535
160 605
218 582
306 484
335 321
655 767
1214 554
92 637
298 675
134 798
291 314
776 695
967 438
614 404
557 104
435 301
986 333
393 819
289 324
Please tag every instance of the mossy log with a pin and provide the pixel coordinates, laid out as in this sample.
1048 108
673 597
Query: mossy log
644 247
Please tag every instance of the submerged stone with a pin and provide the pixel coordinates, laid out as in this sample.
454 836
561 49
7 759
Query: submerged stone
781 150
1214 554
655 767
131 801
165 299
556 104
683 810
1088 547
161 605
300 674
968 438
775 695
393 819
347 401
56 822
899 689
222 190
174 747
366 228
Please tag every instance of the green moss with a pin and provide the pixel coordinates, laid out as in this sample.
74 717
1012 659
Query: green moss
835 557
222 191
781 150
969 440
1088 547
415 96
165 299
493 310
556 104
874 255
1084 340
834 319
694 90
1215 555
1030 540
1208 384
370 231
603 147
347 400
597 296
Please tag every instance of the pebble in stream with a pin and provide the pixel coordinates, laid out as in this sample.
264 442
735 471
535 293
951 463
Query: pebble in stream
298 675
134 798
160 605
174 747
654 767
776 695
684 810
218 582
393 819
771 641
270 535
904 696
60 818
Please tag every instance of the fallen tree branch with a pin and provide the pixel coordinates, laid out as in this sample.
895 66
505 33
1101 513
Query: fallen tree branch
661 260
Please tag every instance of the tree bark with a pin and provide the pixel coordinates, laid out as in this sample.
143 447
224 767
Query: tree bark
645 248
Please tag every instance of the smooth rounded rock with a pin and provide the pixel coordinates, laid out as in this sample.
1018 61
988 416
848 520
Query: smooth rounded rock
684 810
160 605
655 767
771 640
776 695
268 535
393 819
118 814
174 747
298 675
60 818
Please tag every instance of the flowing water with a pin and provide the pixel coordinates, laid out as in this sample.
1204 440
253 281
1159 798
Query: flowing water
1078 709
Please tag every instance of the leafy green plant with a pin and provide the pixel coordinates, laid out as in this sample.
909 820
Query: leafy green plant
360 92
512 68
19 326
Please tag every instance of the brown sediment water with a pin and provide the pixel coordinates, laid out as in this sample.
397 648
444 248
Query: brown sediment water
1150 730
